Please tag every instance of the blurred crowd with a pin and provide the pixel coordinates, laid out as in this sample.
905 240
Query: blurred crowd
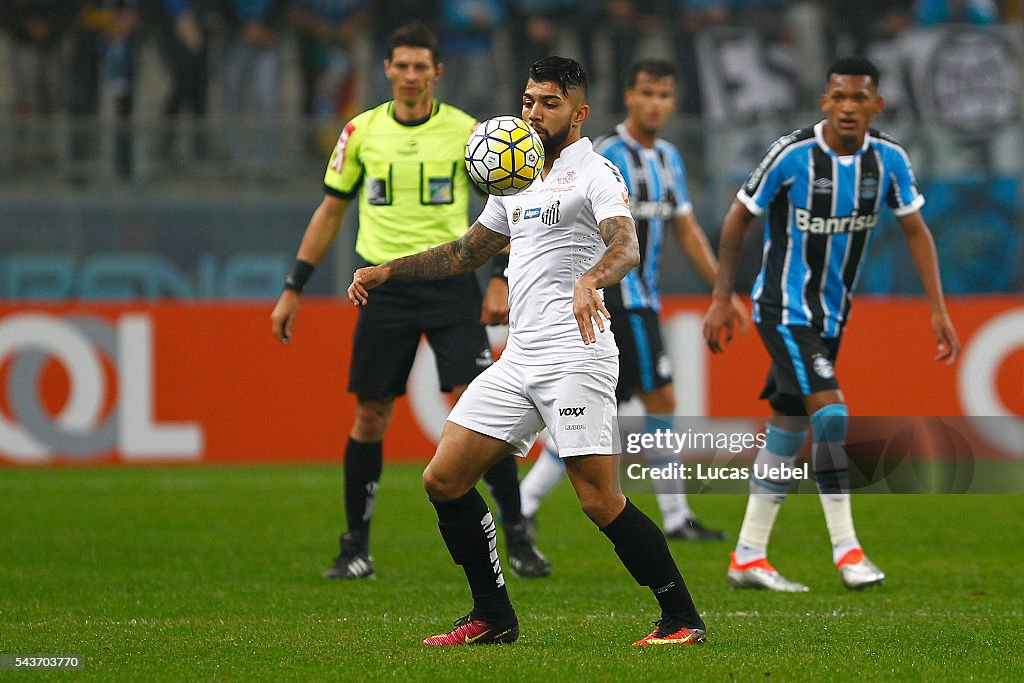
80 57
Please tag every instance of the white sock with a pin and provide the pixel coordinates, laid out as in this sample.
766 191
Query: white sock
762 509
839 520
766 497
538 482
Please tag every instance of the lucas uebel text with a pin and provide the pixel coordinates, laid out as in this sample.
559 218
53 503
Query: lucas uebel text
701 472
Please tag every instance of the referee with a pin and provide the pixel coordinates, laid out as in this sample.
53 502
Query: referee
404 160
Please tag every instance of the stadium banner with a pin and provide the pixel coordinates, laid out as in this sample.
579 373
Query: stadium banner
106 383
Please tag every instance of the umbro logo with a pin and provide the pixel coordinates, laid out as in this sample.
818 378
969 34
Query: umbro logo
822 185
571 412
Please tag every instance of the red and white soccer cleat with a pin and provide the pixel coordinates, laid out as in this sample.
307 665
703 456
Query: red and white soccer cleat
760 575
469 631
858 572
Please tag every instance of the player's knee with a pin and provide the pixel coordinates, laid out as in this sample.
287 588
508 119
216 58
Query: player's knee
601 508
783 442
439 487
371 420
830 423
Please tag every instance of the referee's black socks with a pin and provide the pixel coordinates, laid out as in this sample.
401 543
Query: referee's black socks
503 482
642 547
363 465
468 530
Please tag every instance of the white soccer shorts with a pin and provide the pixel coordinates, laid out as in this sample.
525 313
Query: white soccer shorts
574 400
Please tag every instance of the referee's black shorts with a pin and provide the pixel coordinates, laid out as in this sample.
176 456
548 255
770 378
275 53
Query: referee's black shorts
643 364
803 363
394 318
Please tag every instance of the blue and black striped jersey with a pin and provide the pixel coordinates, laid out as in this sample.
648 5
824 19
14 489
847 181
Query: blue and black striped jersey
820 210
656 179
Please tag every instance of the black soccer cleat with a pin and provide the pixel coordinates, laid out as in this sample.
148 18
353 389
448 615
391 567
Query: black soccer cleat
353 562
525 560
692 530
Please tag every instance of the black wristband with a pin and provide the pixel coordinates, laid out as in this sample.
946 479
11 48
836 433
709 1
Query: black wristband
299 276
499 264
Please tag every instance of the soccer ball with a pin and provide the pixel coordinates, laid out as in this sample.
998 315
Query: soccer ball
504 155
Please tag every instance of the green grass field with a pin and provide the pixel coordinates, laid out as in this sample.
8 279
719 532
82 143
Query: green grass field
214 573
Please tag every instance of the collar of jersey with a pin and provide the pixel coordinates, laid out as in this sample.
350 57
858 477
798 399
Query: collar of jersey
632 141
819 136
413 124
573 152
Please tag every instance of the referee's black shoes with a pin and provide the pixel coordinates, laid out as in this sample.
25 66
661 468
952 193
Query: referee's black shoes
353 562
692 530
525 560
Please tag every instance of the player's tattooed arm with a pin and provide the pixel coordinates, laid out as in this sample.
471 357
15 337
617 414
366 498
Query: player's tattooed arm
622 254
463 255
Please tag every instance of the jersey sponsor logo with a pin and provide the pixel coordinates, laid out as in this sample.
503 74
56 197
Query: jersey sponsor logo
550 214
574 427
532 213
484 359
567 178
647 210
822 367
338 158
833 225
822 185
571 412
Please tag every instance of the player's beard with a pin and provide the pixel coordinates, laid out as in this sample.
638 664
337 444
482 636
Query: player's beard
555 140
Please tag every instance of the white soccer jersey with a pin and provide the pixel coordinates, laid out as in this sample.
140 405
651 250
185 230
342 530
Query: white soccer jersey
553 228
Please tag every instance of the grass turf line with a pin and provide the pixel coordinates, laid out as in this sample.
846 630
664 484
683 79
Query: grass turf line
213 573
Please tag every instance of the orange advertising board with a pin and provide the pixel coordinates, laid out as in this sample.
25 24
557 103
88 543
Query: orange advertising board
206 382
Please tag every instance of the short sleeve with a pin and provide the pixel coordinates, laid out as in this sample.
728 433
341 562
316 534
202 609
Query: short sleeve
493 217
904 197
760 188
617 155
607 193
677 171
345 171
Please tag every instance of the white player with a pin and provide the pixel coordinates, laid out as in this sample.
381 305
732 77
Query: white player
571 234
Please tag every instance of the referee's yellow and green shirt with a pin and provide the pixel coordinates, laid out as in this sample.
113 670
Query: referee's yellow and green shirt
415 190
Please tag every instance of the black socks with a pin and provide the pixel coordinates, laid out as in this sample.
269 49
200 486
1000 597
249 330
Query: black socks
363 464
642 548
468 530
503 482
